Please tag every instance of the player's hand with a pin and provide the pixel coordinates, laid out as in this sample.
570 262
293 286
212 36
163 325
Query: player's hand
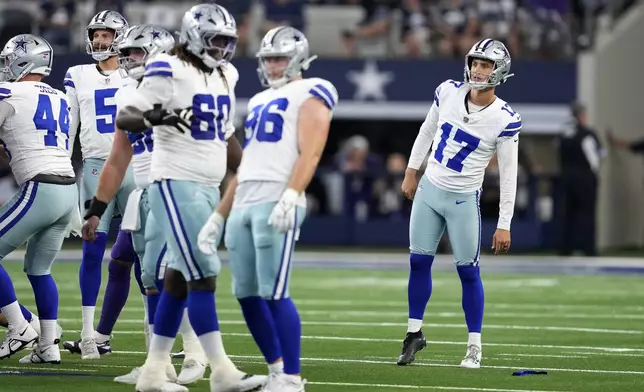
501 241
210 234
283 215
89 228
409 184
176 118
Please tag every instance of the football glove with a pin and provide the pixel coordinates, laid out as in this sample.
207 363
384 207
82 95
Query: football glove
178 118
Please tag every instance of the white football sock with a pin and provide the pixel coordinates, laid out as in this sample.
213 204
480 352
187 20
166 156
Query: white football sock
191 344
14 315
160 347
276 368
474 339
414 325
87 332
100 338
48 330
213 346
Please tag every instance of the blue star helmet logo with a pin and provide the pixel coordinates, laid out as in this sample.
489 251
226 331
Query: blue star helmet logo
198 15
20 43
155 34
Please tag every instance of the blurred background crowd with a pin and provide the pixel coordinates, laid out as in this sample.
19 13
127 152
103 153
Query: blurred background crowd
374 51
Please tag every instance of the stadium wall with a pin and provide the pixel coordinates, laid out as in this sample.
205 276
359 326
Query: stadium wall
610 83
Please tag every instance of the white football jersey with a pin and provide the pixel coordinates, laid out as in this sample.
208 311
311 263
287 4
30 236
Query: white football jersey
271 143
142 143
91 95
36 135
465 142
200 155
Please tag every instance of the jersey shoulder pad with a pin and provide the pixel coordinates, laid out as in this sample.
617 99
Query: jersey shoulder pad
445 88
5 91
124 94
71 76
510 120
232 75
160 65
323 90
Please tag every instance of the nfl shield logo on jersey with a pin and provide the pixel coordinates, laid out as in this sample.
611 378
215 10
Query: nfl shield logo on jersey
466 119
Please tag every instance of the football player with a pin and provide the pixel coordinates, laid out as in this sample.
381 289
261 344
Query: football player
467 124
34 127
139 44
91 89
191 152
286 129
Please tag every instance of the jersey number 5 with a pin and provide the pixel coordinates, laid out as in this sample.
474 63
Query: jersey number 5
44 120
456 162
105 113
214 111
261 116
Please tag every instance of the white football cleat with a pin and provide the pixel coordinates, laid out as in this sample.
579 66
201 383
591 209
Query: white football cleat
43 354
472 358
153 377
129 378
89 349
284 383
191 371
237 381
17 339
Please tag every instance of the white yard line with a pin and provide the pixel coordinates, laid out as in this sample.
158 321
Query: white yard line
425 325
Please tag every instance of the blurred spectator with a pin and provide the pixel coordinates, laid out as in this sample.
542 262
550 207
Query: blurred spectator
283 12
56 23
386 190
112 5
374 25
240 10
580 154
635 146
497 20
415 32
456 22
14 20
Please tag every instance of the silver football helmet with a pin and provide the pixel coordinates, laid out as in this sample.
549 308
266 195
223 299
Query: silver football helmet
105 20
209 32
283 42
138 44
494 51
25 54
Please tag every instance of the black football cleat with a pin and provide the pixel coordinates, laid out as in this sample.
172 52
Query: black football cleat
413 343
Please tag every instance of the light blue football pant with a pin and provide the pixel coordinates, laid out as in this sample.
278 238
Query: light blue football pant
180 209
92 168
435 209
260 256
38 214
150 245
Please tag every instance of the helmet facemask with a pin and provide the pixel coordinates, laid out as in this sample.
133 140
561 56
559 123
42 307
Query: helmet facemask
132 62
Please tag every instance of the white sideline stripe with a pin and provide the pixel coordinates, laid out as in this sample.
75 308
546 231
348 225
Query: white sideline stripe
425 325
437 342
45 369
420 363
403 313
402 386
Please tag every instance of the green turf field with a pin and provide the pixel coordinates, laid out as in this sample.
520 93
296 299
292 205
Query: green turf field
586 331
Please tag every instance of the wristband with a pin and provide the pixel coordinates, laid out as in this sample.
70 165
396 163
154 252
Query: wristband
96 208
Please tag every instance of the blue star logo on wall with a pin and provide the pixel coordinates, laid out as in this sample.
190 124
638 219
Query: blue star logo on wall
198 15
155 34
20 43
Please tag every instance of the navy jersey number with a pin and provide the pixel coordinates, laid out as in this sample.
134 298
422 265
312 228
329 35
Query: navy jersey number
259 118
214 111
141 141
105 113
44 120
456 162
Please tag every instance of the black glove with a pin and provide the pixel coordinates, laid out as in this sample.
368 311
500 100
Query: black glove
178 118
94 207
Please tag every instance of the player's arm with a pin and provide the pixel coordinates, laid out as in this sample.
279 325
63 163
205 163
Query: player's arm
74 109
154 92
313 126
234 159
507 154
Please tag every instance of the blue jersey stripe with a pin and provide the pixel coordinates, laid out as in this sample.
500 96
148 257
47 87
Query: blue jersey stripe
158 73
69 83
508 133
514 125
158 64
326 92
321 97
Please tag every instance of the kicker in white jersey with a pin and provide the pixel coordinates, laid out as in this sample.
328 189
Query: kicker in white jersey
464 142
35 137
201 154
91 94
271 142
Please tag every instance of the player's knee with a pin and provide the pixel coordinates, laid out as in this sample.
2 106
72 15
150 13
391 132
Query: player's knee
244 288
420 250
468 272
119 267
123 251
205 284
148 281
37 269
175 283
